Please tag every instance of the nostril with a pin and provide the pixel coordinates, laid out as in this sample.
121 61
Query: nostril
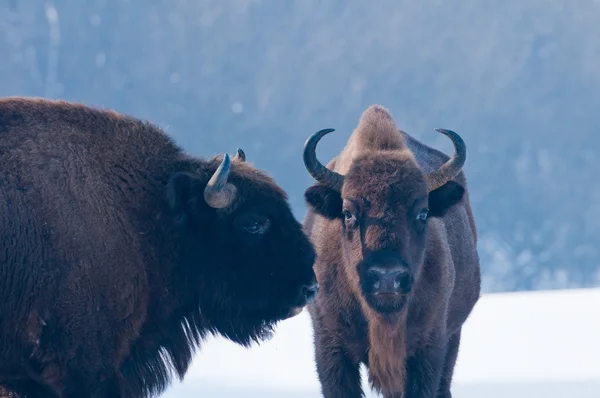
388 279
403 282
309 292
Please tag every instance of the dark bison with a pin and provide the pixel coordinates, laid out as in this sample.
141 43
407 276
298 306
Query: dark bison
120 253
6 394
396 261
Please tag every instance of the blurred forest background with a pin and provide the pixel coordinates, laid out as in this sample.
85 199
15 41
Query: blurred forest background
519 80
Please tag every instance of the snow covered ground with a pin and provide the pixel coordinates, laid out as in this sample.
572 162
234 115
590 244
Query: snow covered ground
518 345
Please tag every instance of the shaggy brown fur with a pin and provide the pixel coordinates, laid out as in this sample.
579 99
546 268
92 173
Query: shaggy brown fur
113 265
408 340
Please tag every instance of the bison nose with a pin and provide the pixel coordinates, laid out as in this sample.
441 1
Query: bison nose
390 280
309 292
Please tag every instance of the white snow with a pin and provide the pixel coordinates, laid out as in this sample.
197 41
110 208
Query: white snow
530 344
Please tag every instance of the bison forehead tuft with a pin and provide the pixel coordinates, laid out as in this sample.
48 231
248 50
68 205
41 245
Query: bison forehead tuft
378 173
375 112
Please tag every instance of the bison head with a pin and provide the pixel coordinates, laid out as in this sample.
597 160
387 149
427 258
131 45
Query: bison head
384 203
246 257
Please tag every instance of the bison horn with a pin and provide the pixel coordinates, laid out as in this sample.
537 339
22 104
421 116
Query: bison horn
240 156
452 167
319 172
218 192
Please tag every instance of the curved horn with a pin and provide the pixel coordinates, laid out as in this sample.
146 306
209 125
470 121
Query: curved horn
315 168
218 192
452 167
240 156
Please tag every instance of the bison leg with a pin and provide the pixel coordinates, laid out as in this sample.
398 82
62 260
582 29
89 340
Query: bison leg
451 355
77 354
424 371
338 374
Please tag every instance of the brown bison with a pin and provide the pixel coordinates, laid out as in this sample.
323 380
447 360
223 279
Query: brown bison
120 253
396 261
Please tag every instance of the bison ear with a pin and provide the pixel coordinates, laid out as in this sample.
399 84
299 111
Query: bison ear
324 200
444 197
182 195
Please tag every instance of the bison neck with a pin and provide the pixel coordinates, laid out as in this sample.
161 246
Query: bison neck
387 352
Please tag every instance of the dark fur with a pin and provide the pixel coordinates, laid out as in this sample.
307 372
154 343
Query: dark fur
6 394
410 342
113 268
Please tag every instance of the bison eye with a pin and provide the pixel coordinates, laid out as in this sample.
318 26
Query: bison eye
348 216
257 227
423 214
253 223
349 219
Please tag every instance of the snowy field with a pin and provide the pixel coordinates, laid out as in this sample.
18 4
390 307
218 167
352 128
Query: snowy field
517 345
